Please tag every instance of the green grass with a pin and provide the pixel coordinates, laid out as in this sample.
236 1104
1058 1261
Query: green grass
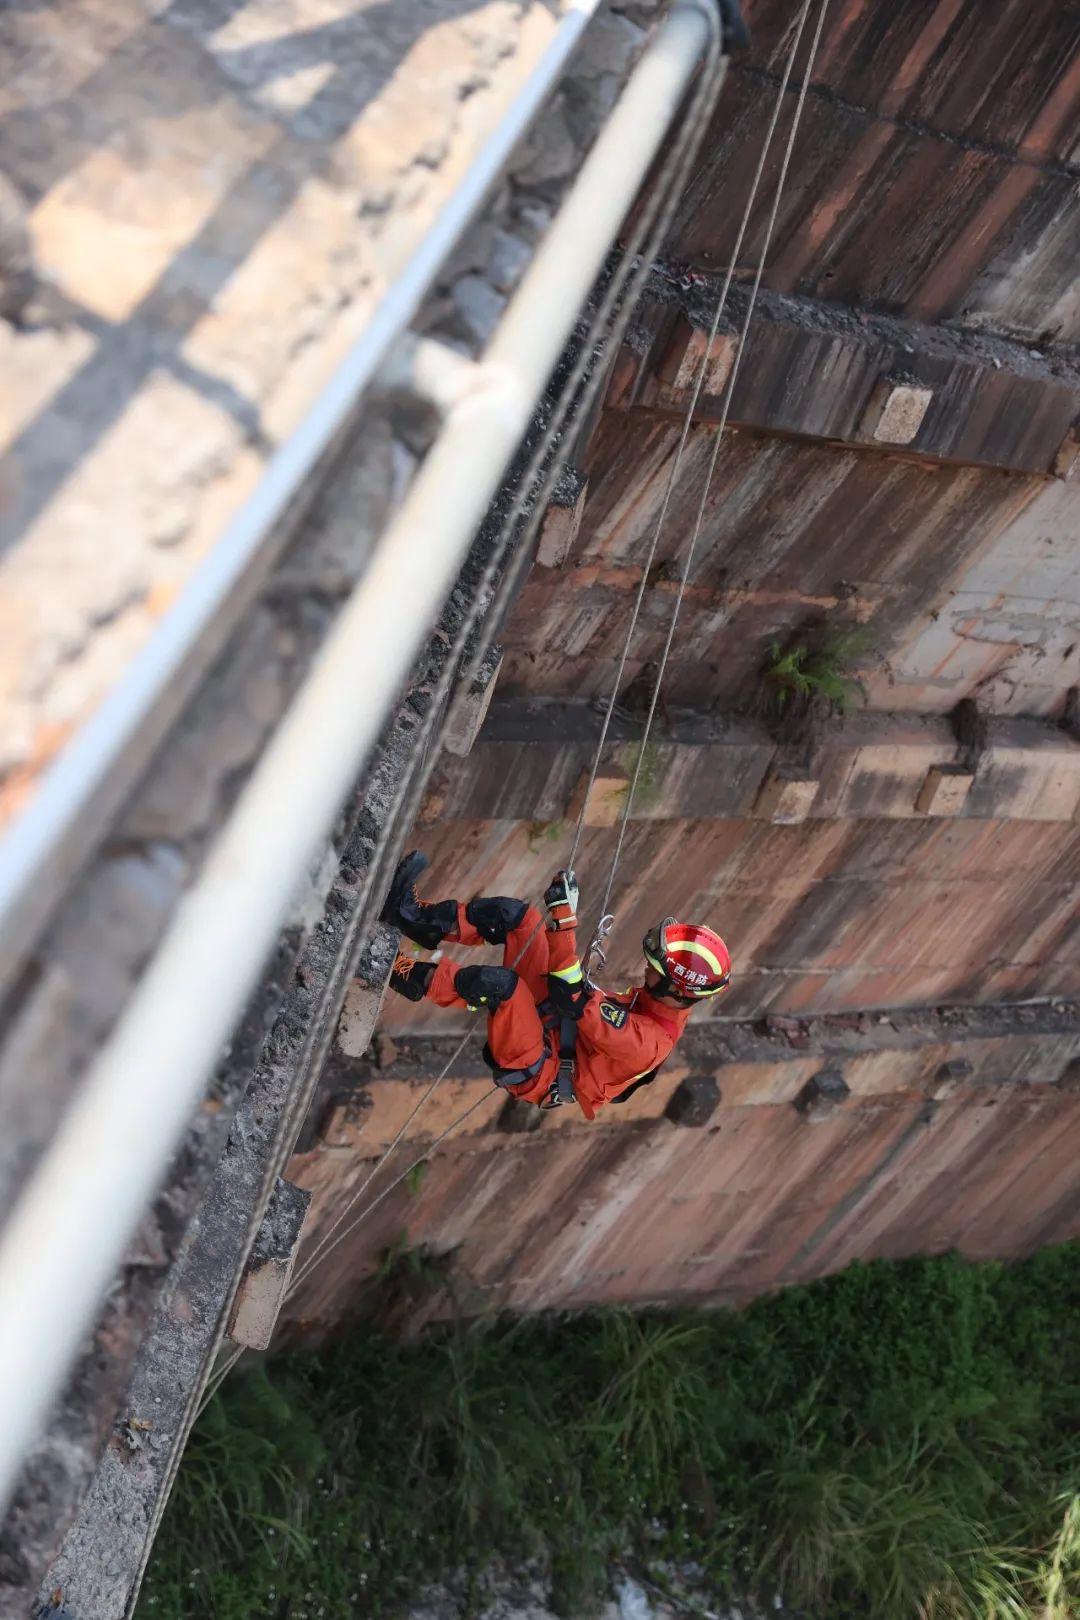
902 1440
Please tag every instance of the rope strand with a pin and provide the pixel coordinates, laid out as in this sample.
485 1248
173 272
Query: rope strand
699 382
310 1266
728 392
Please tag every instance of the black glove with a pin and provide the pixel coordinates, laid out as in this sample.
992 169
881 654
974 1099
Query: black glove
561 900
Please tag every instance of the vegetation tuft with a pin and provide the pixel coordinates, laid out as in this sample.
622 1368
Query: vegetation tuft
811 679
541 833
901 1440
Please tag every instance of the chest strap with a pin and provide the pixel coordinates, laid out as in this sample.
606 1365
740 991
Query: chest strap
562 1032
564 1079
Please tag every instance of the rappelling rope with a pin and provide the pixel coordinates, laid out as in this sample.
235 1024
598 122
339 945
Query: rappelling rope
326 1249
699 382
615 310
653 224
543 468
333 1236
728 392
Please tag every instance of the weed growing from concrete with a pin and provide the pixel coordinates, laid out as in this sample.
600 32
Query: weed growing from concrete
811 678
541 834
899 1442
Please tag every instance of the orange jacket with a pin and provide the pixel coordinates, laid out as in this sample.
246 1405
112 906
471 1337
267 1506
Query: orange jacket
620 1035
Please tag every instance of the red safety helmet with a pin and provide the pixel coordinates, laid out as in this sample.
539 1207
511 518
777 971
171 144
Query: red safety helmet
693 962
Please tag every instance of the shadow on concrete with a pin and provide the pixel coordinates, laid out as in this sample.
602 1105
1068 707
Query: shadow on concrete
44 142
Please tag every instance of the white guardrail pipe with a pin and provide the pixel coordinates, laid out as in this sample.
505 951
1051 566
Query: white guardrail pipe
68 1233
78 795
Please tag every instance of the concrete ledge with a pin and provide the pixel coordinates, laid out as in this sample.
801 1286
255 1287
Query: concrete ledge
266 1277
1067 459
364 995
932 392
560 524
767 1060
945 790
694 1102
1038 782
677 373
822 1095
787 795
875 765
469 709
895 411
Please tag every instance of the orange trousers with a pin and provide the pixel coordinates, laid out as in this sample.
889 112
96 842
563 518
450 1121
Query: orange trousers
516 1034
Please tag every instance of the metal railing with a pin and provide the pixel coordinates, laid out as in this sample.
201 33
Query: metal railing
68 1233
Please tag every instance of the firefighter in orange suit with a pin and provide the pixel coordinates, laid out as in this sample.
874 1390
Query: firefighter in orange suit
552 1038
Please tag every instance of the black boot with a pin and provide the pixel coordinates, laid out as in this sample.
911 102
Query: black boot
485 986
494 918
411 978
423 923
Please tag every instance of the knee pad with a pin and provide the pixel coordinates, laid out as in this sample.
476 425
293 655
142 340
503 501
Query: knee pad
485 986
496 917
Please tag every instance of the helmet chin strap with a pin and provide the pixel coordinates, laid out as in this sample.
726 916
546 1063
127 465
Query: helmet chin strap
666 988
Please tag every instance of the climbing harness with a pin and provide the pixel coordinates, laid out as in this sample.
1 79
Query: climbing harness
513 1077
564 1031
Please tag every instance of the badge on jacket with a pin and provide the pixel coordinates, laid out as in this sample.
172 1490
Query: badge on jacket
613 1014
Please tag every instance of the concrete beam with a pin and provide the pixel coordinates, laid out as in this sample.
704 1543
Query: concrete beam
945 790
787 794
895 412
469 708
694 1101
1067 460
678 370
733 1066
822 1095
819 370
723 768
561 522
1037 1040
363 997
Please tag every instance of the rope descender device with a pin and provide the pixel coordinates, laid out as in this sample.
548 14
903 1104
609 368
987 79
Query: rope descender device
596 953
